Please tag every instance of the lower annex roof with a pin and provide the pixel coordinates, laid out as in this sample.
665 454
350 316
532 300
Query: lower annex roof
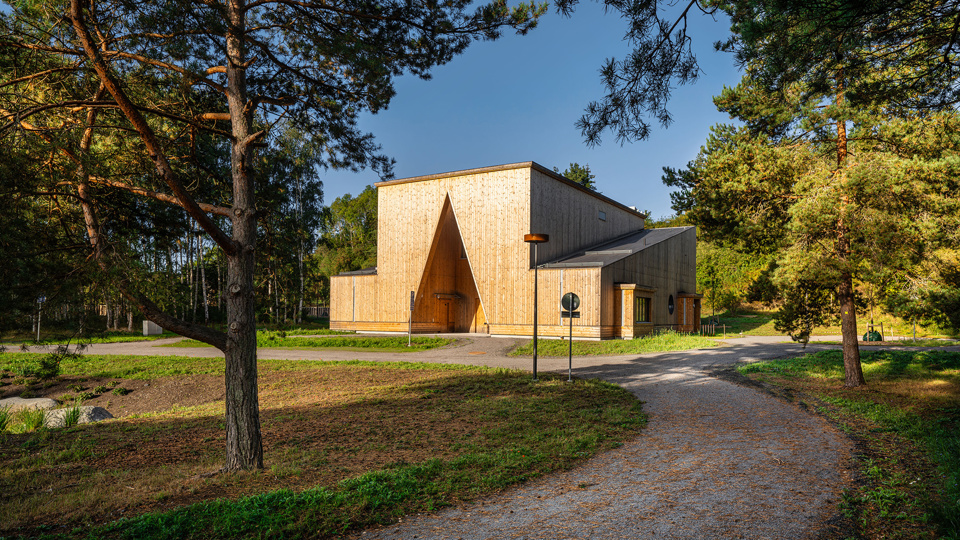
612 251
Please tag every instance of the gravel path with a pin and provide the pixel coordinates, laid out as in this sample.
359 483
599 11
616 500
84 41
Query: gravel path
717 460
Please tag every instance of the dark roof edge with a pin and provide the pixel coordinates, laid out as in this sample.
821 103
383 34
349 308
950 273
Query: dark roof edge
369 271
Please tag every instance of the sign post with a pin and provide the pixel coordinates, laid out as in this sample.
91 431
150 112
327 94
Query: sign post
568 305
410 319
40 300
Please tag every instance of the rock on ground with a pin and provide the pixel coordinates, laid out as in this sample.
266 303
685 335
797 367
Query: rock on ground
15 403
56 418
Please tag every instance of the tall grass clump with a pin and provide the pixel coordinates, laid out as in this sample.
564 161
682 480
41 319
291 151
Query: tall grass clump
27 420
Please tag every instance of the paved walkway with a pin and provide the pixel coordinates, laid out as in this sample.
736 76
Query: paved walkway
717 460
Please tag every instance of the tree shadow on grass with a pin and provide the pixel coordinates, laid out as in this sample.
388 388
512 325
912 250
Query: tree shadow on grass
495 427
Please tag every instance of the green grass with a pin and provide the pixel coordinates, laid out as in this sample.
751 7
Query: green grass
118 336
751 323
25 421
912 398
902 343
479 430
668 341
353 343
759 322
121 367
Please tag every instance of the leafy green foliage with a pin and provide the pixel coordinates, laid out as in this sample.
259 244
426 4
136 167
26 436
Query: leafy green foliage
825 190
348 237
806 307
896 52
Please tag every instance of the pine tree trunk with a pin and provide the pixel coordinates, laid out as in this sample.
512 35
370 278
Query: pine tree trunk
846 295
853 371
244 445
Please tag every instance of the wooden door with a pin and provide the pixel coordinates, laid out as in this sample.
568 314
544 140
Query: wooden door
446 315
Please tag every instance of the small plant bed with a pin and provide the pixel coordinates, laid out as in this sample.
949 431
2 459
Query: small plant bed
907 423
668 341
347 445
349 343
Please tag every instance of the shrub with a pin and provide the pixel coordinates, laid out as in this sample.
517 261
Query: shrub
120 391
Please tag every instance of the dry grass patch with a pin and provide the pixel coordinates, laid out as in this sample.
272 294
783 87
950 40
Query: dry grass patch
322 424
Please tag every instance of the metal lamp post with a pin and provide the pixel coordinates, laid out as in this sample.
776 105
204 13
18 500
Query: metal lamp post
536 240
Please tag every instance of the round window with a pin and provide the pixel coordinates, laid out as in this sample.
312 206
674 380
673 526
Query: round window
670 304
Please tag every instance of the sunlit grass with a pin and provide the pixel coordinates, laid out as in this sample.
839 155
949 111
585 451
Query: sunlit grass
911 398
667 341
351 443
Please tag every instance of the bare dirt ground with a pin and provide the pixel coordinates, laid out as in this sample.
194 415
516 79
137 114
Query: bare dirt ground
143 396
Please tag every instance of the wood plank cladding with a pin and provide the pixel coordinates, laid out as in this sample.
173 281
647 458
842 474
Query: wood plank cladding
457 240
571 214
668 267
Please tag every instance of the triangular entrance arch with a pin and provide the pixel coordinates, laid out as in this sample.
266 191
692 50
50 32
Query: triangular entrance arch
447 298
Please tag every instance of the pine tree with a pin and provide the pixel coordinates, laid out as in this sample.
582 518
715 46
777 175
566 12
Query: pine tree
120 95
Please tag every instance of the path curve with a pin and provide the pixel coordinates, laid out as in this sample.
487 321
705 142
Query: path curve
717 460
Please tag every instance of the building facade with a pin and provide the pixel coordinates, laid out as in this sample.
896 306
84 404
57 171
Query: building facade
451 257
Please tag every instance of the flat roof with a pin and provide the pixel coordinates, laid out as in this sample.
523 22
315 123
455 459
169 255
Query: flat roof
612 251
369 271
510 166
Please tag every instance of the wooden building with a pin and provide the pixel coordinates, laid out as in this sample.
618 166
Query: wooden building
451 252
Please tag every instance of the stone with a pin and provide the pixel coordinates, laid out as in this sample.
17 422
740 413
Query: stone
15 403
56 418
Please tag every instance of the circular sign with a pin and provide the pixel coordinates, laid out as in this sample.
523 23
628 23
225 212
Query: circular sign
570 302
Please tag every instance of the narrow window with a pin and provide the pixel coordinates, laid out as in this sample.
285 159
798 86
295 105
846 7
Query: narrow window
641 309
602 215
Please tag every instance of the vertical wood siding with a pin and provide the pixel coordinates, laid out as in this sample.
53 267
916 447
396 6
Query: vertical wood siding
426 224
670 267
570 217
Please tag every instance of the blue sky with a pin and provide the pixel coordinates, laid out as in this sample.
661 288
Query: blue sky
516 99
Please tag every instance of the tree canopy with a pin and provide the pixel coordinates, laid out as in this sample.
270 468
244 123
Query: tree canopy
174 101
909 47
